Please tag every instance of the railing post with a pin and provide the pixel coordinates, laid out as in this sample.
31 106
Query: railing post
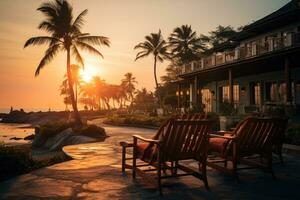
230 79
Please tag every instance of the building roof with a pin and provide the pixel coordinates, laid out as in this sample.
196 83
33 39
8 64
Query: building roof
287 14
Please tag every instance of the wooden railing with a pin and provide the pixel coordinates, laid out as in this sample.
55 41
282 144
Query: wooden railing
255 49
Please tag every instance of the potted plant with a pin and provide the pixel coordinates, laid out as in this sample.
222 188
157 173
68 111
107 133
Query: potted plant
226 115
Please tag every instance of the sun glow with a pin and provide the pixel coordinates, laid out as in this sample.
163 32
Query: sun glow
88 73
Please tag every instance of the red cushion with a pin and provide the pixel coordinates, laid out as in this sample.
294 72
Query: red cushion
218 144
141 147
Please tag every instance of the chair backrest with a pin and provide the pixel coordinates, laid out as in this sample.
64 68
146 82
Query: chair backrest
255 134
185 139
197 116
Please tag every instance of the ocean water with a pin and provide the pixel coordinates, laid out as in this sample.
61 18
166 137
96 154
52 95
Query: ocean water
8 131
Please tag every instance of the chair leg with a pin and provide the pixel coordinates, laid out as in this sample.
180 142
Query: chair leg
175 167
159 172
134 158
280 154
235 162
202 168
123 159
269 165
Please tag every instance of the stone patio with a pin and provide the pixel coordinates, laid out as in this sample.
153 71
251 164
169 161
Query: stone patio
95 173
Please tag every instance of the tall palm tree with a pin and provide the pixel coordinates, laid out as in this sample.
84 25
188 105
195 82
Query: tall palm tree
128 83
65 35
154 44
185 45
218 36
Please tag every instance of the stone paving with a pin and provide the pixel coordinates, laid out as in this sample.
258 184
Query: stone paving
95 173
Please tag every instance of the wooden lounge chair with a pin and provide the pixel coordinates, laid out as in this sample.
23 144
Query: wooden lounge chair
125 145
180 140
253 136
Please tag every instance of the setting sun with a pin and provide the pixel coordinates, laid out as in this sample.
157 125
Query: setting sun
88 72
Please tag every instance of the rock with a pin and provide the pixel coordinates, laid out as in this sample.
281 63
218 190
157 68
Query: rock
66 137
29 137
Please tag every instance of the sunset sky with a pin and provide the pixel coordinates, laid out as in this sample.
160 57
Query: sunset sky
124 22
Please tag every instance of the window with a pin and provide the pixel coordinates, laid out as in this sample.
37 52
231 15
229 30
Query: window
236 94
256 94
225 93
206 100
282 92
271 91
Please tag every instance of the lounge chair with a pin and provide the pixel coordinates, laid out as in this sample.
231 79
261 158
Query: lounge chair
253 136
179 140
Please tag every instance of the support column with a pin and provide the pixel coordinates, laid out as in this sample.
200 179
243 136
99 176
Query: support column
195 99
178 95
191 95
287 75
230 80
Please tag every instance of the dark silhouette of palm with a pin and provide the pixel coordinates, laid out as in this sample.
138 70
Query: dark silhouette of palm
220 35
154 44
65 35
185 45
128 84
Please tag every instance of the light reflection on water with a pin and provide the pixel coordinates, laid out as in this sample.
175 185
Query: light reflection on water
10 130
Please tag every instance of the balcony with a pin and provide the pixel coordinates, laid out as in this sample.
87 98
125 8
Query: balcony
244 51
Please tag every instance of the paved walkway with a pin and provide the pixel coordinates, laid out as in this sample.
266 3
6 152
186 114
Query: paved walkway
95 174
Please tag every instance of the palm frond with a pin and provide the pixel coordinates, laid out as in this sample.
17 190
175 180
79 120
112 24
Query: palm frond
89 48
77 55
49 55
47 26
41 40
142 55
78 22
94 40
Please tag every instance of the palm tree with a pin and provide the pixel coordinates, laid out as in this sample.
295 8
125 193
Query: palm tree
99 87
65 34
154 44
220 35
185 45
128 83
64 91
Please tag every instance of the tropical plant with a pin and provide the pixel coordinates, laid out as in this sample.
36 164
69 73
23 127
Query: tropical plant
185 45
128 84
154 44
65 35
220 35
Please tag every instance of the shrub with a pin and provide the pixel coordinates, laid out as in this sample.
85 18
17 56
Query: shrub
142 120
226 108
92 131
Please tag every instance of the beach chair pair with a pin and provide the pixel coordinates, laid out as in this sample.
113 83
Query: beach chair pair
190 137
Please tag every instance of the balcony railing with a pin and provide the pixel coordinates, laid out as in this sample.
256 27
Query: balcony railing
250 50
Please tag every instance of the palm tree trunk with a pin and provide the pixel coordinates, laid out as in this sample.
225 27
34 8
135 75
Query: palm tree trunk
76 95
70 81
156 83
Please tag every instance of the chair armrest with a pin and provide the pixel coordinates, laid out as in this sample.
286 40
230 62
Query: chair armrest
146 139
222 136
126 144
223 132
